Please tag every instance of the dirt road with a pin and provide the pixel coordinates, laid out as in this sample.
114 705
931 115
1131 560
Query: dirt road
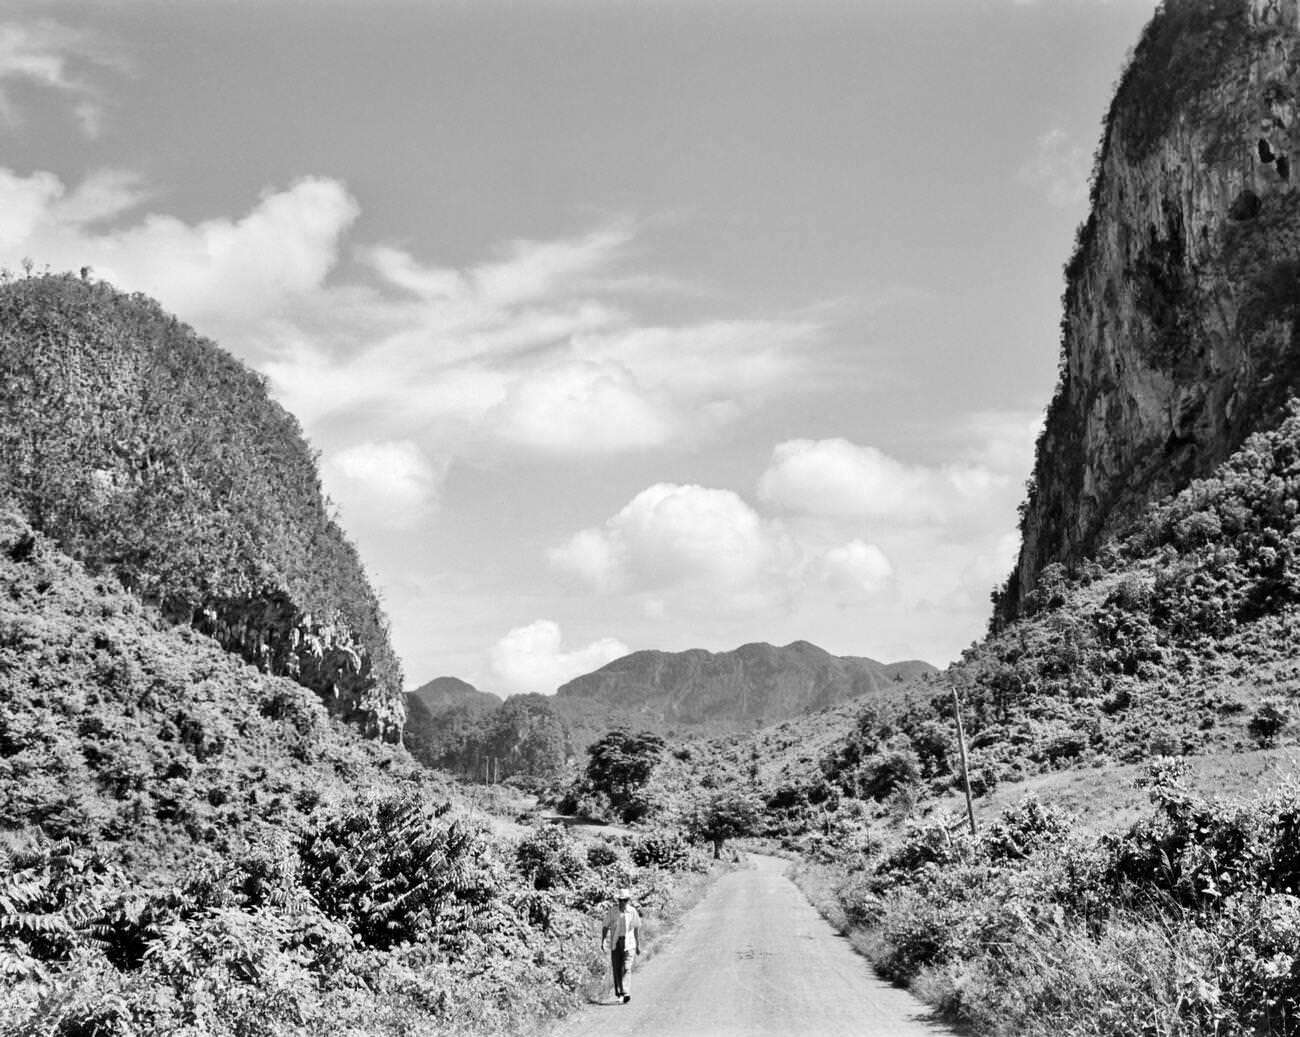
755 960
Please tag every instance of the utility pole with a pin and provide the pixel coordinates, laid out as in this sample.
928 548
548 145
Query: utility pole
961 749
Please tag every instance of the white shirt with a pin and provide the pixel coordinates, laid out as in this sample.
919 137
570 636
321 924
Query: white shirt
622 923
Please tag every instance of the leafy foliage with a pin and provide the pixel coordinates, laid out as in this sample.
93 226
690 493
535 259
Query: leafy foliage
549 857
397 872
522 736
146 452
619 765
1183 924
191 847
722 815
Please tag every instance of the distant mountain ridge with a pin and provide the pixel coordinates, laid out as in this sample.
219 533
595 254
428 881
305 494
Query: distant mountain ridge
753 685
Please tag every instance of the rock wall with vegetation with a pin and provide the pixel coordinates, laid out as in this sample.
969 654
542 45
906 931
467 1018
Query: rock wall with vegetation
148 452
1181 326
191 847
522 738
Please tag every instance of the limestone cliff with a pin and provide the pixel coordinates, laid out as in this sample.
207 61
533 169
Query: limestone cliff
147 452
1181 324
754 685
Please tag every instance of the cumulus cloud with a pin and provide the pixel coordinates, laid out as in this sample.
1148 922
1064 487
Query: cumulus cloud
533 659
254 267
46 54
1059 168
836 528
695 548
839 479
390 485
856 570
669 535
1002 441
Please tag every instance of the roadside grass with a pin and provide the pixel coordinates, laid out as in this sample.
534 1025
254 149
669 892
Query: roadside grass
1107 799
1182 924
822 885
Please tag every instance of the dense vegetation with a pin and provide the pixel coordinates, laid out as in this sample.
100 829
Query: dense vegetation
1187 923
148 453
1180 638
523 738
1181 54
190 846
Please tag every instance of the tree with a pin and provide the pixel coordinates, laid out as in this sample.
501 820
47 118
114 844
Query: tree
728 814
620 764
1268 722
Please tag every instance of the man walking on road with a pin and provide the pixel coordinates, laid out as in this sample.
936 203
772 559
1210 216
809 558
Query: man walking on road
618 936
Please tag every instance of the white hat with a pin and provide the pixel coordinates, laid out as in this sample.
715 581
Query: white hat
623 894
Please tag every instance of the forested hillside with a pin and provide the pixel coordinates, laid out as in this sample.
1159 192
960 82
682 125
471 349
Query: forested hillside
192 847
150 454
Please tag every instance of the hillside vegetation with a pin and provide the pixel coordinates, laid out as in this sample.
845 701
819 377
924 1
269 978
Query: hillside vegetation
192 847
1179 640
148 453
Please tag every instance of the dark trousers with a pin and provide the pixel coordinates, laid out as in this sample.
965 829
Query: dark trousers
618 960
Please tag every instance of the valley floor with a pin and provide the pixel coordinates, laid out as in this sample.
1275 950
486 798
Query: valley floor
755 959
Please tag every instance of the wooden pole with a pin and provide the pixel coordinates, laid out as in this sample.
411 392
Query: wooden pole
961 749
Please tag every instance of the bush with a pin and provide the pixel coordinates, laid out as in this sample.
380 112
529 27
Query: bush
1021 830
602 855
1269 721
660 850
399 871
548 858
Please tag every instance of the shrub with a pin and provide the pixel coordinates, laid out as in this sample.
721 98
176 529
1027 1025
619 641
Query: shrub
660 850
1022 829
1268 721
397 870
548 858
602 855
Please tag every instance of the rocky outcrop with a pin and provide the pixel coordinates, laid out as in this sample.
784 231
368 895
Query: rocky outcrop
147 452
1181 326
270 632
754 685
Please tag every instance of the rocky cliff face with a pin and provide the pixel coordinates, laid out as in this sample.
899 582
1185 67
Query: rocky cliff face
1181 326
756 684
145 451
269 630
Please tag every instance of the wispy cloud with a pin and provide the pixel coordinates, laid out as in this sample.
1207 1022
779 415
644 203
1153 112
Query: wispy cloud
1059 168
536 349
46 54
390 485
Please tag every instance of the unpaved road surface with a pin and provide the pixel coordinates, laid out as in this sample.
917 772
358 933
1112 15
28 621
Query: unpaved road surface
754 959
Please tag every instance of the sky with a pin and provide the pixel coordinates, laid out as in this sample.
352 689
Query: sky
617 324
